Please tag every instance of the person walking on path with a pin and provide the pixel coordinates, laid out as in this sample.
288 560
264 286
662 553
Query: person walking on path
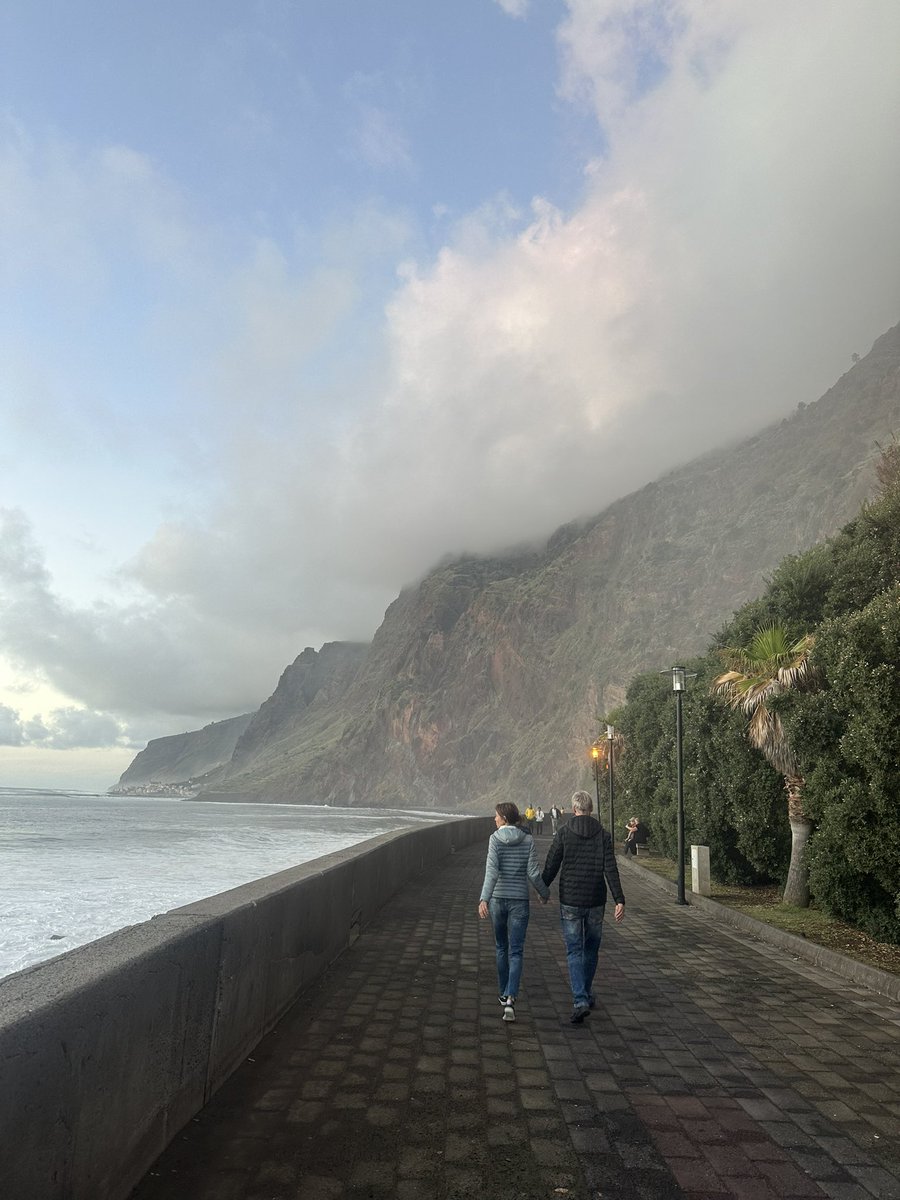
529 817
582 854
539 820
555 814
512 863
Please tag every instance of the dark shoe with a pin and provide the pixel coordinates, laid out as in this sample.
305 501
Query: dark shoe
581 1011
592 1001
503 1000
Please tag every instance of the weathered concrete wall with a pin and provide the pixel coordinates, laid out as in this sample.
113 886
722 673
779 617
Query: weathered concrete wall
107 1051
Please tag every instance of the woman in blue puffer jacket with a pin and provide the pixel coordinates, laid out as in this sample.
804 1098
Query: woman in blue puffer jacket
511 863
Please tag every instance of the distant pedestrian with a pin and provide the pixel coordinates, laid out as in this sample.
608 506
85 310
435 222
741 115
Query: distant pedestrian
631 831
512 863
539 820
529 817
555 816
582 854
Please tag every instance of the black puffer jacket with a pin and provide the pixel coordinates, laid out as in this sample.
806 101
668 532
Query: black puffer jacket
584 851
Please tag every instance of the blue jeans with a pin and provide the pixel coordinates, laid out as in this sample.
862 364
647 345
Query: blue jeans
583 931
510 921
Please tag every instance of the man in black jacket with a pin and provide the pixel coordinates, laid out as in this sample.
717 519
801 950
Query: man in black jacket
584 851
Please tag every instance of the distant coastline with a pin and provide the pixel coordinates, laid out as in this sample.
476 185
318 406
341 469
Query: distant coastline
155 789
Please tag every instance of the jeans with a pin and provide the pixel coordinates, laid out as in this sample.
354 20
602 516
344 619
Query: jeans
510 921
583 930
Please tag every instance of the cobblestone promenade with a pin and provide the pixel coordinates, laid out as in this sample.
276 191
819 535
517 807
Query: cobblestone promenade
713 1066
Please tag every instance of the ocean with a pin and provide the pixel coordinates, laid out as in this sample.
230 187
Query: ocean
74 867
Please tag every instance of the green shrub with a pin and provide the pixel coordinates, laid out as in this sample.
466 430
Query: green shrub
733 800
848 736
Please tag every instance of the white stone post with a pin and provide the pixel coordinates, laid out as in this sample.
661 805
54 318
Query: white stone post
700 870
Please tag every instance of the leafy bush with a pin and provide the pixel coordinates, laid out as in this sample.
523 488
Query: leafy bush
734 802
849 739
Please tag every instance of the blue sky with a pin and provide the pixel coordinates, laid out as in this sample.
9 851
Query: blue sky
298 297
274 114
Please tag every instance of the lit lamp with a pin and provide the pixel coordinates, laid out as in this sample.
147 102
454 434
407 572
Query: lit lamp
678 684
610 735
595 755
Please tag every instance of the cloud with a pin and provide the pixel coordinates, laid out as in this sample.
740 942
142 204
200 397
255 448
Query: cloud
514 8
65 210
67 728
73 728
377 136
733 246
140 659
11 732
734 243
380 142
614 52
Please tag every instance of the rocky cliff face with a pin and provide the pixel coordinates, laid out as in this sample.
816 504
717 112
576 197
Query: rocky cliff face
484 682
184 756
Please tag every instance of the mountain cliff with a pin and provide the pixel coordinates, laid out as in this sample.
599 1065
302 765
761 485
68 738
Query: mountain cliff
183 757
485 681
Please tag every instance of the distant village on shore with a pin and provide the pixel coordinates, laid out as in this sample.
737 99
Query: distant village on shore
182 791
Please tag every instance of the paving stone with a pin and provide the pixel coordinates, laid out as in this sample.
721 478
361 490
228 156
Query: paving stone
876 1180
571 1089
788 1180
320 1187
415 1190
846 1191
675 1145
305 1111
696 1175
751 1189
785 1133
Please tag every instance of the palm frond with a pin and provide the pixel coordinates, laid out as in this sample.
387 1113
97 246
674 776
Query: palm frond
768 667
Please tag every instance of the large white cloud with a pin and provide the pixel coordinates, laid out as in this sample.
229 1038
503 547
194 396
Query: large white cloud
140 659
67 728
734 244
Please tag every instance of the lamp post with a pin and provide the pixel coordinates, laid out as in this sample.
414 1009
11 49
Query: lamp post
678 684
610 735
595 755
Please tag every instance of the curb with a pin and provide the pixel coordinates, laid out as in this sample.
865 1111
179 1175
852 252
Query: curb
882 982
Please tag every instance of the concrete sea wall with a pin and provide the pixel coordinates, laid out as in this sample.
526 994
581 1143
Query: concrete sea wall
109 1050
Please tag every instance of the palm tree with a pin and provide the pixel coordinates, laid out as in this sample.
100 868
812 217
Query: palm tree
770 666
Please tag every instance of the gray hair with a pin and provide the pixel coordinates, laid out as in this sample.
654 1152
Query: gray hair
582 803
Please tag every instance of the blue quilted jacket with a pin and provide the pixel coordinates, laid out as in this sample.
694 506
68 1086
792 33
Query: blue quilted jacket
511 862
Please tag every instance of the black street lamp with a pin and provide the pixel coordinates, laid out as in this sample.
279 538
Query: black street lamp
595 755
610 735
678 684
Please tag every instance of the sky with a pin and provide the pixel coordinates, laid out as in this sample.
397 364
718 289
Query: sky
298 297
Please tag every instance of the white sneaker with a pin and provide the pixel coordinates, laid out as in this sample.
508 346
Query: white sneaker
509 1009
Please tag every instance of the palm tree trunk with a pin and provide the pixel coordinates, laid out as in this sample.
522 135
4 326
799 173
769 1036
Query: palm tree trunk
796 890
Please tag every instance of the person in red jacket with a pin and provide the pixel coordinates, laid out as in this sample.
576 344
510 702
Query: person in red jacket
582 854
